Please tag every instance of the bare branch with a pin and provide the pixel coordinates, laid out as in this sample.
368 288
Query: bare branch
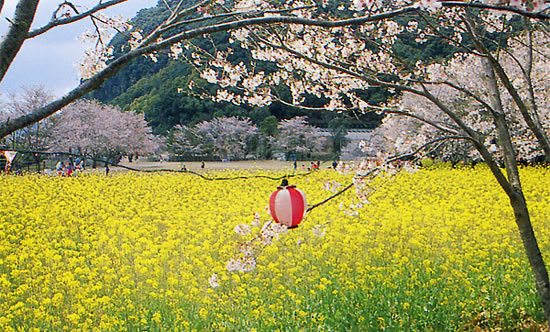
419 118
60 6
244 14
58 22
462 4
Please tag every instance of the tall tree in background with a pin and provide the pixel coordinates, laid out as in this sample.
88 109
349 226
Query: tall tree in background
102 132
33 137
297 136
227 138
338 134
36 137
526 62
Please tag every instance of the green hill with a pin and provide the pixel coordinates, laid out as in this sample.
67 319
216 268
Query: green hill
159 89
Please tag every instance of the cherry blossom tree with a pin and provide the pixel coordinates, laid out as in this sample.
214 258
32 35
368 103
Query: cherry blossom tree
226 137
91 129
33 137
206 17
296 135
488 96
36 137
527 51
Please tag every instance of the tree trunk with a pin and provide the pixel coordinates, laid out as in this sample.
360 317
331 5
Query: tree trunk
17 33
532 250
515 194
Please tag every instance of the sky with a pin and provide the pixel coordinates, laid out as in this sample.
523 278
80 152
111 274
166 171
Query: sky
50 59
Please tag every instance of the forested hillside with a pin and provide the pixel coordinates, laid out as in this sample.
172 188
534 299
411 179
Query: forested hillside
160 88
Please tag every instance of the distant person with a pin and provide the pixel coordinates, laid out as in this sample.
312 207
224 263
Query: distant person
79 164
334 164
183 168
107 170
69 170
59 167
295 165
203 164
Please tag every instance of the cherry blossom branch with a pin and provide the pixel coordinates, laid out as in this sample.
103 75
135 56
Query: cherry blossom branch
463 90
58 22
240 14
503 8
178 14
336 68
420 118
340 192
539 133
308 108
99 36
94 17
389 160
95 81
250 250
425 93
449 39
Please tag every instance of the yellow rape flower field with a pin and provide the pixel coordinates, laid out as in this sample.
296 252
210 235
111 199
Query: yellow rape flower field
433 250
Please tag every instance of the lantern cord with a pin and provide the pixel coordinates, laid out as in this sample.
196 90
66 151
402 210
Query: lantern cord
370 173
274 178
412 157
331 197
165 170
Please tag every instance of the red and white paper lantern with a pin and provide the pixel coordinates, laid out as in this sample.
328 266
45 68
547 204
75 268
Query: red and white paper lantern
288 206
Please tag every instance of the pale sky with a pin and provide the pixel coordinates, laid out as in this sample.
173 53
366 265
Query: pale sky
50 59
